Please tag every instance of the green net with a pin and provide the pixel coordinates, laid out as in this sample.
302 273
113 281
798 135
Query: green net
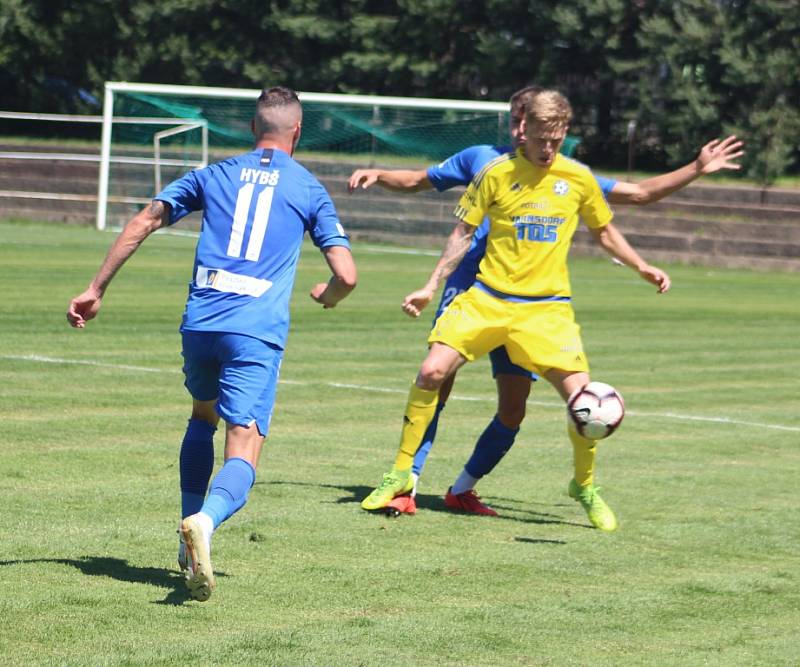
379 130
360 134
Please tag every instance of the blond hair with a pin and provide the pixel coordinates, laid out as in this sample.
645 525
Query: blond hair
550 108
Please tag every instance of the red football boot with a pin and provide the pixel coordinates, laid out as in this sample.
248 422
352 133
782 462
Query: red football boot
404 504
469 501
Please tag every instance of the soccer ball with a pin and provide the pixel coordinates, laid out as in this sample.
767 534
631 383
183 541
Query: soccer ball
596 410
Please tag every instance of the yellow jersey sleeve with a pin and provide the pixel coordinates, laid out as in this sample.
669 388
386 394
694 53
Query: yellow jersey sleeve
474 203
594 209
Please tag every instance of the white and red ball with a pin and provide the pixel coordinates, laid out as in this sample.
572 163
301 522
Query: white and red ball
596 410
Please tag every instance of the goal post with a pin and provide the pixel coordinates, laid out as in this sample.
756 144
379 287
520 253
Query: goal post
138 149
158 137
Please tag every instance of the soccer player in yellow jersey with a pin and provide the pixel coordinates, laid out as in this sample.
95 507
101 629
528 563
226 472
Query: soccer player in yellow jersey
521 298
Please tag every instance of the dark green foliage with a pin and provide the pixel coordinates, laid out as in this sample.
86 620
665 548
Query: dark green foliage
725 66
679 81
762 65
685 71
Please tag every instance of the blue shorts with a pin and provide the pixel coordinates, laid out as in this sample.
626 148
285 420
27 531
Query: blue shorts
501 364
239 371
455 284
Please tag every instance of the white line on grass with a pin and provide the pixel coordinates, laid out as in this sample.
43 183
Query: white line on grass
82 362
387 390
551 404
715 420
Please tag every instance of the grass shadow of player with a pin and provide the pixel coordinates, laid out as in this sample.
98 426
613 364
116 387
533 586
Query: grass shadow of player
355 494
505 512
120 570
533 540
522 507
436 504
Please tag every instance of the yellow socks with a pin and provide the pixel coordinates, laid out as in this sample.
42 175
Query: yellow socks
420 410
584 452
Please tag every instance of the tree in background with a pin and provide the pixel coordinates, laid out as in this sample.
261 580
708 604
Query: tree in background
711 68
594 57
47 53
681 94
685 70
760 54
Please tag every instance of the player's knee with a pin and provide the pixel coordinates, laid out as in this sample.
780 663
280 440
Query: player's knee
511 415
431 376
205 411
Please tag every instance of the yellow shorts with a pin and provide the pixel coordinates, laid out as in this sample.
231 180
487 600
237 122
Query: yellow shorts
537 336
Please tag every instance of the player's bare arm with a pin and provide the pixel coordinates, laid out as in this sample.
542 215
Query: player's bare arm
714 156
85 306
342 282
399 180
616 245
456 247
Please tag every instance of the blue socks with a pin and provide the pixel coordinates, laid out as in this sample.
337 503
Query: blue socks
427 442
229 490
492 446
196 464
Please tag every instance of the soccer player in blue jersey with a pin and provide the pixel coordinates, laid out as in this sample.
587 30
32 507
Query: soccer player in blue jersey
256 209
513 382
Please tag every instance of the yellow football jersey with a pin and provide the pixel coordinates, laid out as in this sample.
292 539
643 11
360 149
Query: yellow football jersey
533 213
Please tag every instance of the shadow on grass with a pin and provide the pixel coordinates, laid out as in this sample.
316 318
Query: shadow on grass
436 504
531 540
121 570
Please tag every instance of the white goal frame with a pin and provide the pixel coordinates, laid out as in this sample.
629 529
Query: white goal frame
375 101
158 136
156 161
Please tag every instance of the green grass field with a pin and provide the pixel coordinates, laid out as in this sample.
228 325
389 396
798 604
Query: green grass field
702 476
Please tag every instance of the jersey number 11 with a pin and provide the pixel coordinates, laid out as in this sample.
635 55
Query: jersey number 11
259 222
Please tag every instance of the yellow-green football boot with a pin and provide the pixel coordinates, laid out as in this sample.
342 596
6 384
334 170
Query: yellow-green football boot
394 483
598 512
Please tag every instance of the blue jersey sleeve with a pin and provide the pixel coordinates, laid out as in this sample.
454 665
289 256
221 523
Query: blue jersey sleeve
606 184
324 227
459 169
183 196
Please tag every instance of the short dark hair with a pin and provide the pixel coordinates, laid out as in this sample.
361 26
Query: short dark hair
277 96
278 109
519 101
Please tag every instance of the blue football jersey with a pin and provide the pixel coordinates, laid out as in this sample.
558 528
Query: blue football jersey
460 169
256 209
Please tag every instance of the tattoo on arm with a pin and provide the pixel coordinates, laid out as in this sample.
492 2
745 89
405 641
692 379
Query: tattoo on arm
457 245
156 209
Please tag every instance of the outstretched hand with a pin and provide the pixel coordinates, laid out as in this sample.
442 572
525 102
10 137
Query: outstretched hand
656 276
83 308
362 178
415 303
716 155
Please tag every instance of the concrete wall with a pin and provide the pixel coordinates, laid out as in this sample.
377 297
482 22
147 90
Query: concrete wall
702 224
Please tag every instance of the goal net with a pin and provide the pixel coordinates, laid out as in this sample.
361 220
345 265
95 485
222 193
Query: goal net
154 133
